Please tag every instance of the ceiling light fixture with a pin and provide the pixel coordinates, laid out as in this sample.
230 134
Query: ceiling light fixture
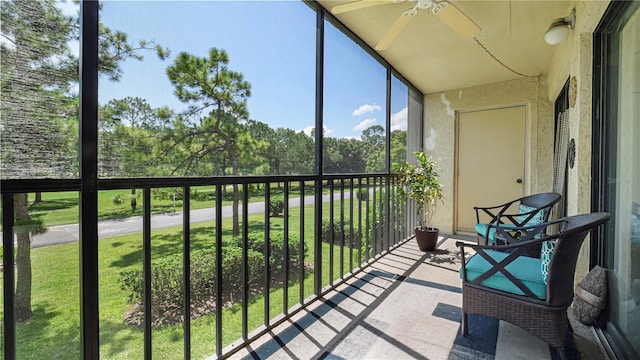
559 29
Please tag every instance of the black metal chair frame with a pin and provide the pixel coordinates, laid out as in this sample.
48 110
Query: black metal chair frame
498 214
545 318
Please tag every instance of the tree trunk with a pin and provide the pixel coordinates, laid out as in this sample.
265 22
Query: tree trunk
23 260
134 202
38 199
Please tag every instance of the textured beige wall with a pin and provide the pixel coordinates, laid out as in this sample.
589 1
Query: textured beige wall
439 133
574 57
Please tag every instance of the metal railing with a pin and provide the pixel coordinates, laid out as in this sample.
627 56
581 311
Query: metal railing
313 253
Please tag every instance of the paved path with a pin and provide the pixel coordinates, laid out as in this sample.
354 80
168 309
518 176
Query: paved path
61 234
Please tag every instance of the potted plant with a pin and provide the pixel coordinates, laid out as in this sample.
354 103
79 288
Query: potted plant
420 182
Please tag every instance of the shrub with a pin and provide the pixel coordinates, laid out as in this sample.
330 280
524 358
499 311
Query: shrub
276 206
202 195
118 199
166 193
256 243
362 194
167 275
341 233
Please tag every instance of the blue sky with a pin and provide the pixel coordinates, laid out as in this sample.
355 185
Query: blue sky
273 44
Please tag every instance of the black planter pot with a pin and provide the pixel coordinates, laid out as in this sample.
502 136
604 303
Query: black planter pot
427 238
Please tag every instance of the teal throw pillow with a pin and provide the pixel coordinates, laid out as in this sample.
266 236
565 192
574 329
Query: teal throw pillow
538 218
545 257
635 228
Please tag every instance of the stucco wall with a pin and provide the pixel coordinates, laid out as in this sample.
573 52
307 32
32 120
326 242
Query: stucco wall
439 133
574 57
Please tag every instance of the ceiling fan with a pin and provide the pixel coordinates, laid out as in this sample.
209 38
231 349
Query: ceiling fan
444 9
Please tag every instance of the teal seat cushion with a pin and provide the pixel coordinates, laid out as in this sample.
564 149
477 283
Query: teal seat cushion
524 268
482 230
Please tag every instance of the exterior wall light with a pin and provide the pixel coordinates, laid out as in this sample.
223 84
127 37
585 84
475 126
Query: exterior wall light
559 29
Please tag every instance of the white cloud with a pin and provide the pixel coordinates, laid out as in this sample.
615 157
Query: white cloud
309 129
364 124
352 137
399 120
366 109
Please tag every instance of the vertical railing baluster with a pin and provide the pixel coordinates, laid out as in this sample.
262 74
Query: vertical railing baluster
267 252
376 216
186 268
219 300
245 261
285 289
361 235
302 242
146 268
368 223
387 212
332 230
381 215
351 236
392 215
394 205
401 210
317 239
342 234
8 280
380 225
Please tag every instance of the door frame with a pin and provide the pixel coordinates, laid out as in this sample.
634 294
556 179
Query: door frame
530 131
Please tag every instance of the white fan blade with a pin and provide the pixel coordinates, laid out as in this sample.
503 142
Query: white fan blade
393 32
339 9
459 22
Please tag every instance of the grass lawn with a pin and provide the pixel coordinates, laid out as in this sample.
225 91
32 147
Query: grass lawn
53 332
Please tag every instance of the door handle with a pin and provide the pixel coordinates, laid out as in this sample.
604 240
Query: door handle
519 181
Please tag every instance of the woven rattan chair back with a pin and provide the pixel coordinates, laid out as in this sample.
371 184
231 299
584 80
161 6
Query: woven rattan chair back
565 256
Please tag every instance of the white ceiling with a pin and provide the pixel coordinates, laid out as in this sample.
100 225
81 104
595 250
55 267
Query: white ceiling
434 58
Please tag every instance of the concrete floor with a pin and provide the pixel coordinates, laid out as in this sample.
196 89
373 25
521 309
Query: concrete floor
406 305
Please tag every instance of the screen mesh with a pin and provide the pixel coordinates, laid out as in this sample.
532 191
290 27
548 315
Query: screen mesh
39 101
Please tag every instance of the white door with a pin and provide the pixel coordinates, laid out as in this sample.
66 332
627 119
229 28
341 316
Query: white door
490 160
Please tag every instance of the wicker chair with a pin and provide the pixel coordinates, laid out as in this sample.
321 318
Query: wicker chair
493 283
527 210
